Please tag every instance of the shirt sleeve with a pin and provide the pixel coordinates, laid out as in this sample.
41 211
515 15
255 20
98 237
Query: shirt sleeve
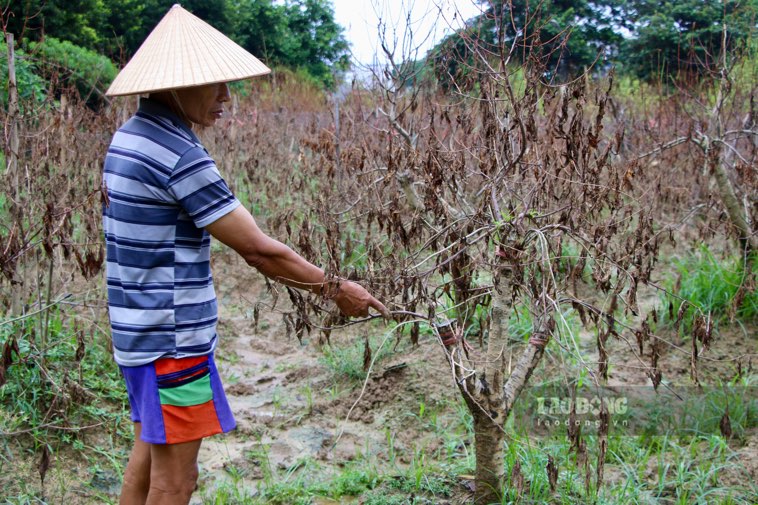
198 187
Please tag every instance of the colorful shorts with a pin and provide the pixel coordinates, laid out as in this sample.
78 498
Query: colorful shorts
178 400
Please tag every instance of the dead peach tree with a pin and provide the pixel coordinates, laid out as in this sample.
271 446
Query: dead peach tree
702 148
724 128
463 209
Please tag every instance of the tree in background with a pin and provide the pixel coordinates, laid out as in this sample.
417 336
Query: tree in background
318 44
217 13
647 38
452 59
299 34
684 38
260 27
112 28
69 20
572 34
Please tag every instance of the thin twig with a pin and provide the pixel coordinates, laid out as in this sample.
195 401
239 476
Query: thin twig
41 309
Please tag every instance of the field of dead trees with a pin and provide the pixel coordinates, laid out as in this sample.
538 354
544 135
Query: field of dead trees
570 269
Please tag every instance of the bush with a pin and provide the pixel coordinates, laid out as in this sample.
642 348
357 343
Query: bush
31 87
67 66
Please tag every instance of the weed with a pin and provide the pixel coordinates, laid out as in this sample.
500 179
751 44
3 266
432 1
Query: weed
352 481
347 362
308 392
708 285
227 493
260 458
520 323
334 391
390 438
54 386
383 498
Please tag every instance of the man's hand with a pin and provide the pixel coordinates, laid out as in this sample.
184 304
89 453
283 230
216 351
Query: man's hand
275 260
354 301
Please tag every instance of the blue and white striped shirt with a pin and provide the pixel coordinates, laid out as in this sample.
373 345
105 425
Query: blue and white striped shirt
163 189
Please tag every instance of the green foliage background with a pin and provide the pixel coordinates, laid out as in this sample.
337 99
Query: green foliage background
646 39
82 68
298 34
31 87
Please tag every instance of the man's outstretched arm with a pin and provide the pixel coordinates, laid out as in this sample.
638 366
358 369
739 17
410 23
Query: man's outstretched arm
275 260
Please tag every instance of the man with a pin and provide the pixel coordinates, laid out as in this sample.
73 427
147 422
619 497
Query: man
165 199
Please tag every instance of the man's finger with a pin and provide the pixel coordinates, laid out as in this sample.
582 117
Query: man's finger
380 307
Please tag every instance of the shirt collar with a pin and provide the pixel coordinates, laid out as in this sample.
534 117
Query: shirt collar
156 108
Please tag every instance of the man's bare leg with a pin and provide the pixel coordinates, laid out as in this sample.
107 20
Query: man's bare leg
173 473
137 474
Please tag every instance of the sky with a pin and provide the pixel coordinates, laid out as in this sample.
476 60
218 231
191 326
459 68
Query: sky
430 21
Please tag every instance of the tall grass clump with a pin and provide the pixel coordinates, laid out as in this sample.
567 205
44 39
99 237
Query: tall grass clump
352 361
705 284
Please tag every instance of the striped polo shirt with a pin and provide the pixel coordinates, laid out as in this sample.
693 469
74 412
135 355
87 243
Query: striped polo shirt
163 189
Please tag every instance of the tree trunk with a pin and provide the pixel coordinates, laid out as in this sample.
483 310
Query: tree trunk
489 442
483 393
490 399
11 151
732 203
719 156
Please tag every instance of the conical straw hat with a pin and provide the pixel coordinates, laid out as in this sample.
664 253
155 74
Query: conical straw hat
183 51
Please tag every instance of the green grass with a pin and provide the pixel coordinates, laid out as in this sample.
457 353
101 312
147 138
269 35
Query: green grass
52 399
709 285
296 485
347 361
676 467
48 387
